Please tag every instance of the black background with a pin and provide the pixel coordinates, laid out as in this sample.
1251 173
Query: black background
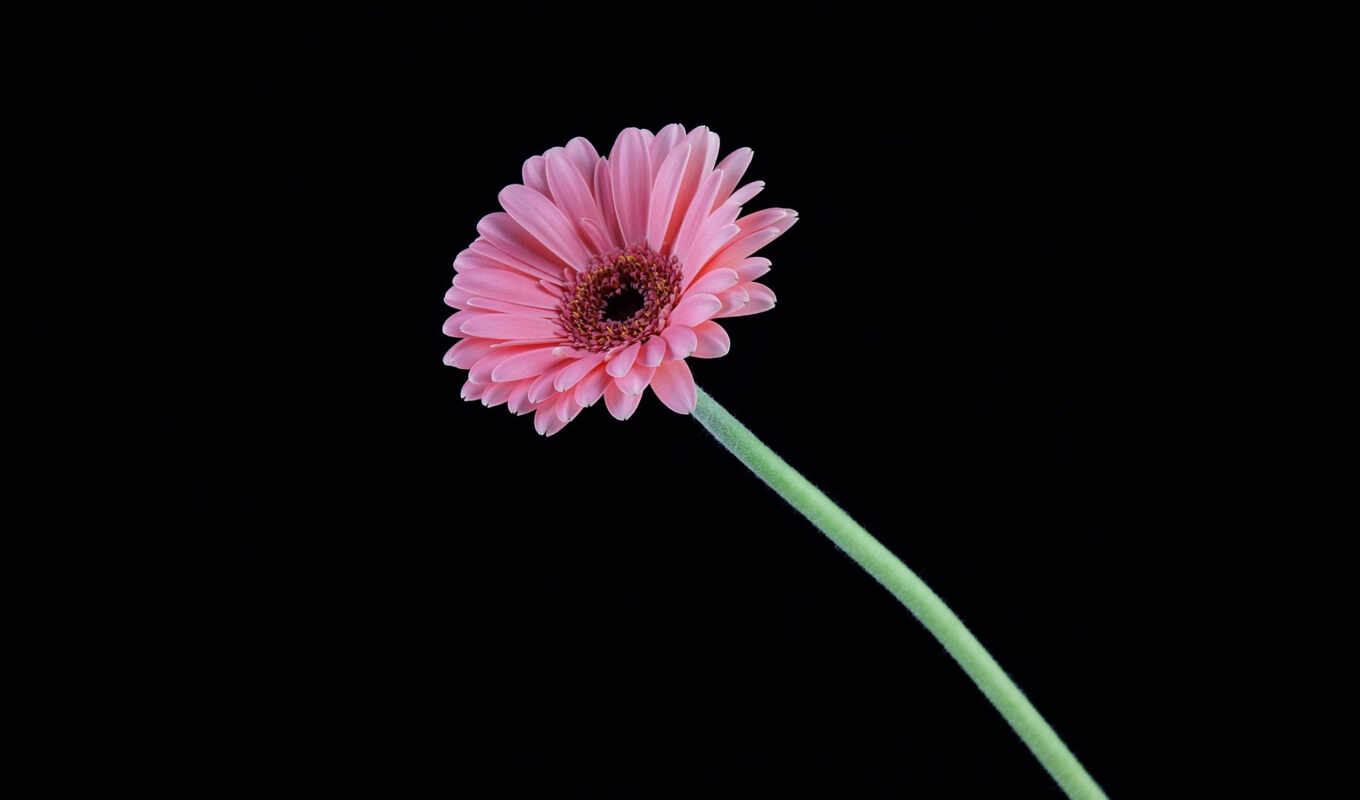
972 353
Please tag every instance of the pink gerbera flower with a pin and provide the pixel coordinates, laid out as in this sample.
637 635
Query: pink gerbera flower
603 275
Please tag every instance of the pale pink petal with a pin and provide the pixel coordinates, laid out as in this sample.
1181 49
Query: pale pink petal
497 394
595 236
542 386
623 360
621 404
743 195
653 352
470 260
501 284
592 386
732 299
636 379
569 190
674 386
518 401
481 370
453 326
473 391
467 352
485 248
733 167
790 218
703 152
488 304
577 370
715 281
751 268
525 365
663 195
680 341
760 299
705 245
510 326
565 407
761 219
630 173
583 156
696 215
742 246
535 176
456 298
546 222
604 195
501 230
666 140
695 308
713 340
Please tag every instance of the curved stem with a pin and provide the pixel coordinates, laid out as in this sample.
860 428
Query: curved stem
907 587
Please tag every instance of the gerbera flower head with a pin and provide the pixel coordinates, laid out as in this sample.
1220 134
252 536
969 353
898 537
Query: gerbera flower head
603 275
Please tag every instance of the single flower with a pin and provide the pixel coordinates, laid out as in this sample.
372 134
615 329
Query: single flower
603 275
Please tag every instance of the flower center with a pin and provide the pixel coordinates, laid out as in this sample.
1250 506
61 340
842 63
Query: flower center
621 298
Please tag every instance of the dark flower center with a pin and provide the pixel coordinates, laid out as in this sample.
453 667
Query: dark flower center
624 304
619 299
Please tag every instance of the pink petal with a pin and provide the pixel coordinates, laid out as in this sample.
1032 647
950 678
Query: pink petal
583 156
481 370
619 365
680 341
743 195
473 391
636 380
525 365
713 340
456 298
592 386
510 326
733 299
653 352
742 246
577 370
733 167
604 195
696 215
761 219
695 308
543 385
621 405
488 304
715 281
595 235
497 394
760 299
663 195
467 352
453 326
666 140
518 401
751 268
630 173
674 386
546 223
501 284
703 152
534 174
569 190
485 248
501 230
705 245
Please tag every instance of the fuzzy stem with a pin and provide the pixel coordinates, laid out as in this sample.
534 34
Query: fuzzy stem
924 604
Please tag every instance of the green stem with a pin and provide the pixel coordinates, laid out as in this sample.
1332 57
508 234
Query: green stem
907 587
